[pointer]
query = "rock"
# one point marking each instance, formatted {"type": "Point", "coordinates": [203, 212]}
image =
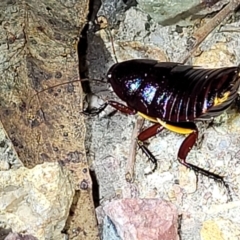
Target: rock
{"type": "Point", "coordinates": [143, 219]}
{"type": "Point", "coordinates": [36, 201]}
{"type": "Point", "coordinates": [187, 179]}
{"type": "Point", "coordinates": [16, 236]}
{"type": "Point", "coordinates": [168, 12]}
{"type": "Point", "coordinates": [109, 230]}
{"type": "Point", "coordinates": [210, 230]}
{"type": "Point", "coordinates": [217, 56]}
{"type": "Point", "coordinates": [220, 229]}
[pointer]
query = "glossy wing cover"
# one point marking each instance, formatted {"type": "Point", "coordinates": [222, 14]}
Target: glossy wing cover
{"type": "Point", "coordinates": [174, 92]}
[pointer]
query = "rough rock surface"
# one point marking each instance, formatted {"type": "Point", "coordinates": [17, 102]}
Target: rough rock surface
{"type": "Point", "coordinates": [16, 236]}
{"type": "Point", "coordinates": [42, 121]}
{"type": "Point", "coordinates": [143, 219]}
{"type": "Point", "coordinates": [31, 199]}
{"type": "Point", "coordinates": [198, 198]}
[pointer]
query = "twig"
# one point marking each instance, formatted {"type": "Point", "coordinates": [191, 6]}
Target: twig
{"type": "Point", "coordinates": [206, 29]}
{"type": "Point", "coordinates": [129, 174]}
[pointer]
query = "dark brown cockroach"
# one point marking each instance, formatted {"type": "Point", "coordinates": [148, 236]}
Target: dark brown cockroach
{"type": "Point", "coordinates": [173, 96]}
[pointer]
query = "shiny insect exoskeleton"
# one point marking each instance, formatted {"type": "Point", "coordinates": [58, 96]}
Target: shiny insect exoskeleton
{"type": "Point", "coordinates": [173, 96]}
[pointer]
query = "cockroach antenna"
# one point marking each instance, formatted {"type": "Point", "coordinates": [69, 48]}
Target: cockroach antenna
{"type": "Point", "coordinates": [103, 23]}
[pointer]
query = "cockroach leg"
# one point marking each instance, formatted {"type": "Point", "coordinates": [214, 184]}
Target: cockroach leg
{"type": "Point", "coordinates": [122, 108]}
{"type": "Point", "coordinates": [94, 111]}
{"type": "Point", "coordinates": [149, 155]}
{"type": "Point", "coordinates": [118, 106]}
{"type": "Point", "coordinates": [185, 148]}
{"type": "Point", "coordinates": [150, 132]}
{"type": "Point", "coordinates": [143, 136]}
{"type": "Point", "coordinates": [237, 103]}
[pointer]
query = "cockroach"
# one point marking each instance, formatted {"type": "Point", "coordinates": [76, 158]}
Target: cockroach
{"type": "Point", "coordinates": [173, 96]}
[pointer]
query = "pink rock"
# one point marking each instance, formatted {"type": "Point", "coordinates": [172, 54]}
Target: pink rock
{"type": "Point", "coordinates": [143, 219]}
